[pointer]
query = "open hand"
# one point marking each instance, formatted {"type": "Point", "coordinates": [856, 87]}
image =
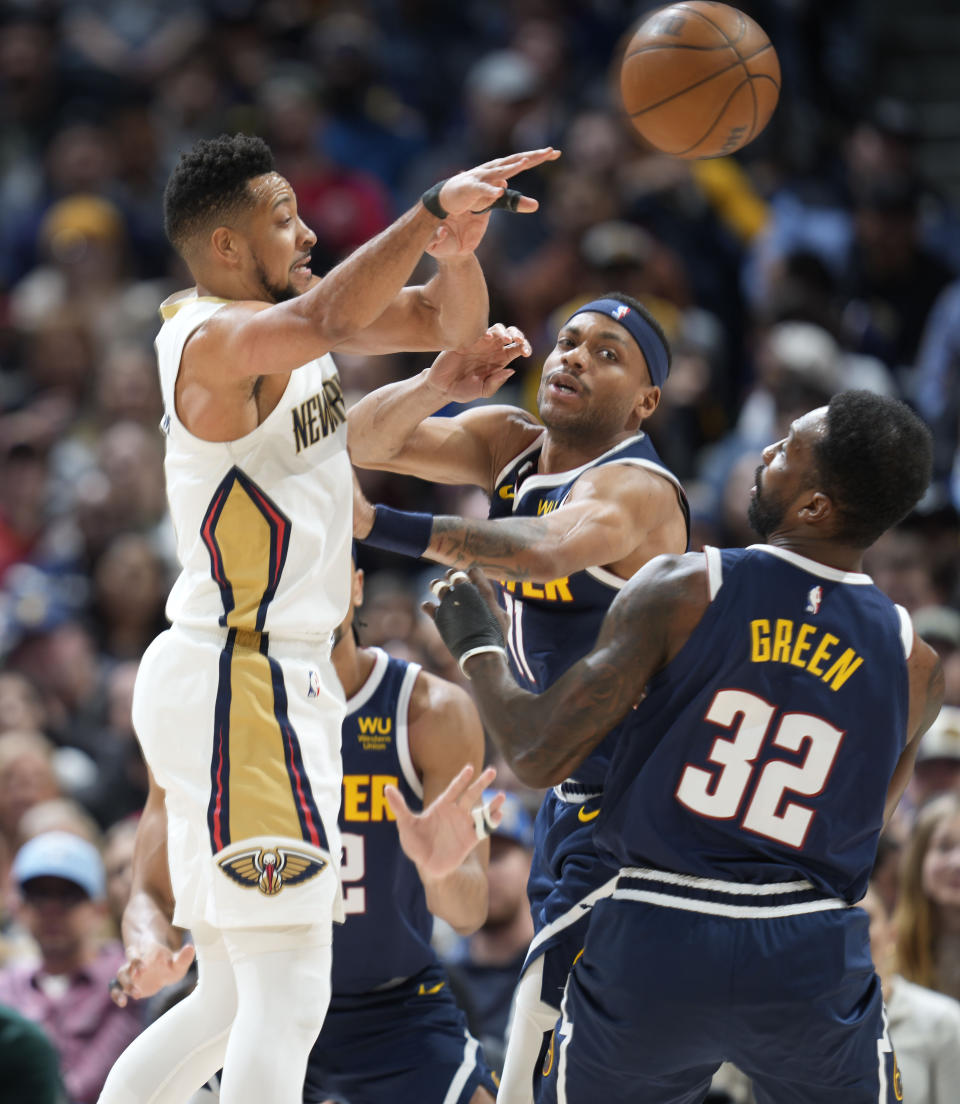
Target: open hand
{"type": "Point", "coordinates": [148, 969]}
{"type": "Point", "coordinates": [443, 835]}
{"type": "Point", "coordinates": [481, 370]}
{"type": "Point", "coordinates": [467, 197]}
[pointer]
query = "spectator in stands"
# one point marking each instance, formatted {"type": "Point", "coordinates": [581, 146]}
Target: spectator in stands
{"type": "Point", "coordinates": [924, 1026]}
{"type": "Point", "coordinates": [29, 1069]}
{"type": "Point", "coordinates": [937, 769]}
{"type": "Point", "coordinates": [61, 883]}
{"type": "Point", "coordinates": [927, 918]}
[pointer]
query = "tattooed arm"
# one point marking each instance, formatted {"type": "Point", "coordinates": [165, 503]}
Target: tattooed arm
{"type": "Point", "coordinates": [544, 737]}
{"type": "Point", "coordinates": [617, 516]}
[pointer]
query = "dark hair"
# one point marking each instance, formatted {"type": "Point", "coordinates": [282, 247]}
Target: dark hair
{"type": "Point", "coordinates": [636, 305]}
{"type": "Point", "coordinates": [875, 462]}
{"type": "Point", "coordinates": [209, 181]}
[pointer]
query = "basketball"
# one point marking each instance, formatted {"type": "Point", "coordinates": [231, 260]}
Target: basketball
{"type": "Point", "coordinates": [699, 79]}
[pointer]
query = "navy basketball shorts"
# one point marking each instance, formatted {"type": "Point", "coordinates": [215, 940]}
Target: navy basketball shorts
{"type": "Point", "coordinates": [408, 1044]}
{"type": "Point", "coordinates": [661, 995]}
{"type": "Point", "coordinates": [566, 879]}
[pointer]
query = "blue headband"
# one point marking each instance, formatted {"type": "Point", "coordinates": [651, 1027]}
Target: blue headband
{"type": "Point", "coordinates": [651, 344]}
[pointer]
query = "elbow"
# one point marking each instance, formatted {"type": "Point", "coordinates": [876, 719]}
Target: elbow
{"type": "Point", "coordinates": [535, 773]}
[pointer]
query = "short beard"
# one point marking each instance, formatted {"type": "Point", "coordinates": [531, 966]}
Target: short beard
{"type": "Point", "coordinates": [764, 517]}
{"type": "Point", "coordinates": [274, 292]}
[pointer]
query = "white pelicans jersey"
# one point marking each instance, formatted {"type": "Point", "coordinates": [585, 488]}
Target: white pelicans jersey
{"type": "Point", "coordinates": [263, 523]}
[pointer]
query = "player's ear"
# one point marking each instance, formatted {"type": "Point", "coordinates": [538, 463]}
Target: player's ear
{"type": "Point", "coordinates": [358, 587]}
{"type": "Point", "coordinates": [816, 508]}
{"type": "Point", "coordinates": [225, 246]}
{"type": "Point", "coordinates": [647, 402]}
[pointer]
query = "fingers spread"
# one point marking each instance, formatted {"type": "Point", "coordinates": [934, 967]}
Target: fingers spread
{"type": "Point", "coordinates": [398, 805]}
{"type": "Point", "coordinates": [459, 784]}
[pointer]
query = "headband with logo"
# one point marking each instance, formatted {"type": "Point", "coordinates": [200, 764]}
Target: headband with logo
{"type": "Point", "coordinates": [650, 342]}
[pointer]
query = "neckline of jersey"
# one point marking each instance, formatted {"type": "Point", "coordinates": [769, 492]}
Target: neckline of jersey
{"type": "Point", "coordinates": [554, 479]}
{"type": "Point", "coordinates": [814, 567]}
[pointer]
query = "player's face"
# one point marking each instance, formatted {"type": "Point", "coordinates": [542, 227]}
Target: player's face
{"type": "Point", "coordinates": [279, 240]}
{"type": "Point", "coordinates": [594, 378]}
{"type": "Point", "coordinates": [785, 472]}
{"type": "Point", "coordinates": [941, 865]}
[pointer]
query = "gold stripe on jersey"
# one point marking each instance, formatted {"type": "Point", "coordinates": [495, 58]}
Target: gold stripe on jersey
{"type": "Point", "coordinates": [243, 536]}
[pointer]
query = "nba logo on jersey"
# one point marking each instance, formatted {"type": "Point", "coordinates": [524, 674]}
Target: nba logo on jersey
{"type": "Point", "coordinates": [814, 598]}
{"type": "Point", "coordinates": [314, 688]}
{"type": "Point", "coordinates": [621, 311]}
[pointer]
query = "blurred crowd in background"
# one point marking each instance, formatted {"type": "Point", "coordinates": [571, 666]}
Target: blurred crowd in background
{"type": "Point", "coordinates": [825, 256]}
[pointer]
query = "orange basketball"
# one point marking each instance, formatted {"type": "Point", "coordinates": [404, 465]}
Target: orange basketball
{"type": "Point", "coordinates": [699, 79]}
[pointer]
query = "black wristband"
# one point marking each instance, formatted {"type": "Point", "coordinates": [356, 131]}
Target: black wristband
{"type": "Point", "coordinates": [431, 200]}
{"type": "Point", "coordinates": [466, 622]}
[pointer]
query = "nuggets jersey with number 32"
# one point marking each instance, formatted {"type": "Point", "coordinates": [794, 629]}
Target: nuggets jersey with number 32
{"type": "Point", "coordinates": [764, 749]}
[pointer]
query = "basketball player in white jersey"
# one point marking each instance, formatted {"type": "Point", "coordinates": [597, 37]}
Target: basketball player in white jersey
{"type": "Point", "coordinates": [237, 706]}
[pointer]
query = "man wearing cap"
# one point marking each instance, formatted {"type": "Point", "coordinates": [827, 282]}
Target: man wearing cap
{"type": "Point", "coordinates": [61, 883]}
{"type": "Point", "coordinates": [937, 767]}
{"type": "Point", "coordinates": [578, 504]}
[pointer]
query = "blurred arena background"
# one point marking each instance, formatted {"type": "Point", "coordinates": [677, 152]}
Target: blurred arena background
{"type": "Point", "coordinates": [825, 256]}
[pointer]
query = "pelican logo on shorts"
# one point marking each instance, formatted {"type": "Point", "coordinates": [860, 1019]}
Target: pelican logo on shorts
{"type": "Point", "coordinates": [270, 869]}
{"type": "Point", "coordinates": [814, 600]}
{"type": "Point", "coordinates": [897, 1080]}
{"type": "Point", "coordinates": [314, 688]}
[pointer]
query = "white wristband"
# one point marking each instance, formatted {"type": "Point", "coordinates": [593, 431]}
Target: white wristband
{"type": "Point", "coordinates": [479, 651]}
{"type": "Point", "coordinates": [483, 825]}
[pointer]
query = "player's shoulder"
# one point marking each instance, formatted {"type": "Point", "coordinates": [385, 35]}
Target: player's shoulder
{"type": "Point", "coordinates": [434, 696]}
{"type": "Point", "coordinates": [508, 428]}
{"type": "Point", "coordinates": [670, 582]}
{"type": "Point", "coordinates": [444, 723]}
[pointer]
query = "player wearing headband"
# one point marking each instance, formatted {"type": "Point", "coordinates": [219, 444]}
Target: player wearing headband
{"type": "Point", "coordinates": [580, 501]}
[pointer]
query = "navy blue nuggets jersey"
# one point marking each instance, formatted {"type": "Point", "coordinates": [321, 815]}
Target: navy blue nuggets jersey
{"type": "Point", "coordinates": [387, 930]}
{"type": "Point", "coordinates": [763, 751]}
{"type": "Point", "coordinates": [554, 624]}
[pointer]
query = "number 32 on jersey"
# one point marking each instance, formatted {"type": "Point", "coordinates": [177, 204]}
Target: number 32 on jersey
{"type": "Point", "coordinates": [720, 796]}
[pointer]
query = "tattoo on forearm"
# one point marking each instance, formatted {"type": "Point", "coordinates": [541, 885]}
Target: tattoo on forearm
{"type": "Point", "coordinates": [491, 548]}
{"type": "Point", "coordinates": [554, 741]}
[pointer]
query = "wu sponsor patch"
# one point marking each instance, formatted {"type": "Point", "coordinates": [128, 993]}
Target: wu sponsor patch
{"type": "Point", "coordinates": [270, 869]}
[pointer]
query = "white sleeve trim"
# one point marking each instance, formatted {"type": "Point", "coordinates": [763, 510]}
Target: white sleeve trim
{"type": "Point", "coordinates": [403, 731]}
{"type": "Point", "coordinates": [906, 631]}
{"type": "Point", "coordinates": [714, 569]}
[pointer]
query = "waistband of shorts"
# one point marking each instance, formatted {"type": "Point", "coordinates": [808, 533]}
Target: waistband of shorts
{"type": "Point", "coordinates": [576, 793]}
{"type": "Point", "coordinates": [736, 900]}
{"type": "Point", "coordinates": [316, 647]}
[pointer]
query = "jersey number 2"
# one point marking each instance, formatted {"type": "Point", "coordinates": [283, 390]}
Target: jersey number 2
{"type": "Point", "coordinates": [720, 796]}
{"type": "Point", "coordinates": [352, 869]}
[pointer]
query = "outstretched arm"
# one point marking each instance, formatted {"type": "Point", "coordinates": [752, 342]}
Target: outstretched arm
{"type": "Point", "coordinates": [544, 737]}
{"type": "Point", "coordinates": [391, 428]}
{"type": "Point", "coordinates": [446, 744]}
{"type": "Point", "coordinates": [155, 954]}
{"type": "Point", "coordinates": [250, 339]}
{"type": "Point", "coordinates": [616, 514]}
